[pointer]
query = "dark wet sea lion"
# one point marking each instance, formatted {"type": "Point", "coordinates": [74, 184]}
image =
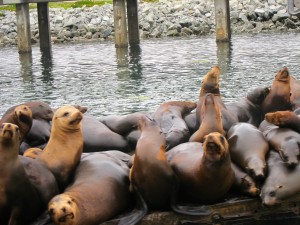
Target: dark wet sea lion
{"type": "Point", "coordinates": [63, 150]}
{"type": "Point", "coordinates": [98, 137]}
{"type": "Point", "coordinates": [205, 173]}
{"type": "Point", "coordinates": [283, 140]}
{"type": "Point", "coordinates": [243, 183]}
{"type": "Point", "coordinates": [99, 191]}
{"type": "Point", "coordinates": [281, 182]}
{"type": "Point", "coordinates": [211, 119]}
{"type": "Point", "coordinates": [248, 149]}
{"type": "Point", "coordinates": [169, 117]}
{"type": "Point", "coordinates": [20, 202]}
{"type": "Point", "coordinates": [249, 109]}
{"type": "Point", "coordinates": [279, 95]}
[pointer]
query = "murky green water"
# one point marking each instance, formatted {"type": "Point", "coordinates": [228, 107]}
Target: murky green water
{"type": "Point", "coordinates": [141, 78]}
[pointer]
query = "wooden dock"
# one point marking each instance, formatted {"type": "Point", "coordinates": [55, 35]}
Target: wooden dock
{"type": "Point", "coordinates": [126, 23]}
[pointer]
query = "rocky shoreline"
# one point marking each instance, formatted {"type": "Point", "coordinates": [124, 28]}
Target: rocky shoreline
{"type": "Point", "coordinates": [165, 18]}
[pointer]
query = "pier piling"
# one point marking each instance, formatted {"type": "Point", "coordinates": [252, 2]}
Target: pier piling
{"type": "Point", "coordinates": [222, 17]}
{"type": "Point", "coordinates": [23, 27]}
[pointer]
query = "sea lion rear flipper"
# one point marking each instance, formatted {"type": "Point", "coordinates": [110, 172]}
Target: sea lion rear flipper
{"type": "Point", "coordinates": [137, 214]}
{"type": "Point", "coordinates": [201, 210]}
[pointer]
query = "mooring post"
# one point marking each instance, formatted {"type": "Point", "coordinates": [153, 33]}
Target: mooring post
{"type": "Point", "coordinates": [23, 27]}
{"type": "Point", "coordinates": [44, 27]}
{"type": "Point", "coordinates": [222, 16]}
{"type": "Point", "coordinates": [119, 9]}
{"type": "Point", "coordinates": [133, 22]}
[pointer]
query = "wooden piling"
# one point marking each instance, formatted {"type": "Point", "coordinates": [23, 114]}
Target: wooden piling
{"type": "Point", "coordinates": [23, 27]}
{"type": "Point", "coordinates": [44, 27]}
{"type": "Point", "coordinates": [119, 9]}
{"type": "Point", "coordinates": [133, 22]}
{"type": "Point", "coordinates": [222, 18]}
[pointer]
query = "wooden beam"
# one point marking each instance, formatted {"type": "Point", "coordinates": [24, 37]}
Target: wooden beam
{"type": "Point", "coordinates": [133, 22]}
{"type": "Point", "coordinates": [44, 26]}
{"type": "Point", "coordinates": [119, 9]}
{"type": "Point", "coordinates": [23, 27]}
{"type": "Point", "coordinates": [222, 17]}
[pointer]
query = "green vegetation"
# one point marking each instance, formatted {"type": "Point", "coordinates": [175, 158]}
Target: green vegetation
{"type": "Point", "coordinates": [65, 5]}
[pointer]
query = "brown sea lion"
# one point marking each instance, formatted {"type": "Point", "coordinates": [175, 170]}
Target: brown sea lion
{"type": "Point", "coordinates": [210, 84]}
{"type": "Point", "coordinates": [22, 117]}
{"type": "Point", "coordinates": [98, 137]}
{"type": "Point", "coordinates": [169, 117]}
{"type": "Point", "coordinates": [211, 118]}
{"type": "Point", "coordinates": [248, 149]}
{"type": "Point", "coordinates": [205, 173]}
{"type": "Point", "coordinates": [150, 173]}
{"type": "Point", "coordinates": [281, 182]}
{"type": "Point", "coordinates": [295, 92]}
{"type": "Point", "coordinates": [243, 183]}
{"type": "Point", "coordinates": [279, 96]}
{"type": "Point", "coordinates": [99, 191]}
{"type": "Point", "coordinates": [63, 150]}
{"type": "Point", "coordinates": [39, 109]}
{"type": "Point", "coordinates": [20, 202]}
{"type": "Point", "coordinates": [249, 109]}
{"type": "Point", "coordinates": [287, 119]}
{"type": "Point", "coordinates": [283, 140]}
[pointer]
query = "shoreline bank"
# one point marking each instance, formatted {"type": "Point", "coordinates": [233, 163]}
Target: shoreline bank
{"type": "Point", "coordinates": [161, 19]}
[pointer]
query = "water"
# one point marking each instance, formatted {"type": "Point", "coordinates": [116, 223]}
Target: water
{"type": "Point", "coordinates": [142, 77]}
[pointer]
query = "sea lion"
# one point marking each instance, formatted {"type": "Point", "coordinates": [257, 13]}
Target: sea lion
{"type": "Point", "coordinates": [99, 191]}
{"type": "Point", "coordinates": [281, 182]}
{"type": "Point", "coordinates": [279, 96]}
{"type": "Point", "coordinates": [211, 118]}
{"type": "Point", "coordinates": [248, 149]}
{"type": "Point", "coordinates": [288, 119]}
{"type": "Point", "coordinates": [243, 183]}
{"type": "Point", "coordinates": [98, 137]}
{"type": "Point", "coordinates": [169, 117]}
{"type": "Point", "coordinates": [63, 150]}
{"type": "Point", "coordinates": [204, 170]}
{"type": "Point", "coordinates": [210, 84]}
{"type": "Point", "coordinates": [283, 140]}
{"type": "Point", "coordinates": [32, 152]}
{"type": "Point", "coordinates": [295, 92]}
{"type": "Point", "coordinates": [123, 124]}
{"type": "Point", "coordinates": [150, 174]}
{"type": "Point", "coordinates": [22, 117]}
{"type": "Point", "coordinates": [249, 109]}
{"type": "Point", "coordinates": [39, 109]}
{"type": "Point", "coordinates": [17, 206]}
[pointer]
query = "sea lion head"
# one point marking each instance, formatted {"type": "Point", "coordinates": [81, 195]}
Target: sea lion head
{"type": "Point", "coordinates": [10, 135]}
{"type": "Point", "coordinates": [215, 146]}
{"type": "Point", "coordinates": [24, 114]}
{"type": "Point", "coordinates": [67, 118]}
{"type": "Point", "coordinates": [289, 152]}
{"type": "Point", "coordinates": [269, 195]}
{"type": "Point", "coordinates": [283, 75]}
{"type": "Point", "coordinates": [210, 83]}
{"type": "Point", "coordinates": [63, 210]}
{"type": "Point", "coordinates": [256, 168]}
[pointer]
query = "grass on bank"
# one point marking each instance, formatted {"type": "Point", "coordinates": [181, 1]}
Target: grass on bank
{"type": "Point", "coordinates": [67, 5]}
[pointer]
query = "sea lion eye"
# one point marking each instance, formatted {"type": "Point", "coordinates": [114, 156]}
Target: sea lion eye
{"type": "Point", "coordinates": [17, 129]}
{"type": "Point", "coordinates": [272, 194]}
{"type": "Point", "coordinates": [66, 114]}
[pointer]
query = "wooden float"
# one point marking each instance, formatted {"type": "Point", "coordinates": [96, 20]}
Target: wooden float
{"type": "Point", "coordinates": [235, 210]}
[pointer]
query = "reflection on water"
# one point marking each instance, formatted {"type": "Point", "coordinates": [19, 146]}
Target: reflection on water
{"type": "Point", "coordinates": [139, 78]}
